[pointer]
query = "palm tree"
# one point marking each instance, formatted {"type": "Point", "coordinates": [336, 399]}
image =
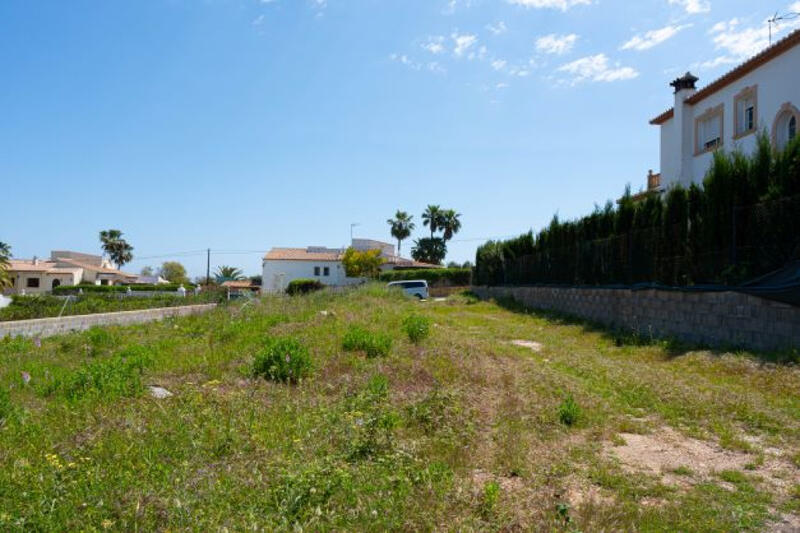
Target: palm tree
{"type": "Point", "coordinates": [450, 223]}
{"type": "Point", "coordinates": [401, 227]}
{"type": "Point", "coordinates": [117, 248]}
{"type": "Point", "coordinates": [432, 217]}
{"type": "Point", "coordinates": [228, 273]}
{"type": "Point", "coordinates": [5, 256]}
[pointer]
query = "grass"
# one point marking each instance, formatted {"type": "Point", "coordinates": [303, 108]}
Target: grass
{"type": "Point", "coordinates": [43, 306]}
{"type": "Point", "coordinates": [463, 431]}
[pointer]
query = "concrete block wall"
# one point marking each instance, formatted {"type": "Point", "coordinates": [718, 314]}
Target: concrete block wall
{"type": "Point", "coordinates": [724, 319]}
{"type": "Point", "coordinates": [45, 327]}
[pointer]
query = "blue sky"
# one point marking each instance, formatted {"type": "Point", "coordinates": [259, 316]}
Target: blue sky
{"type": "Point", "coordinates": [241, 125]}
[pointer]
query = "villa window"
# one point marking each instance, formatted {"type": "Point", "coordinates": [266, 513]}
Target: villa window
{"type": "Point", "coordinates": [326, 271]}
{"type": "Point", "coordinates": [708, 130]}
{"type": "Point", "coordinates": [785, 127]}
{"type": "Point", "coordinates": [316, 271]}
{"type": "Point", "coordinates": [745, 104]}
{"type": "Point", "coordinates": [32, 283]}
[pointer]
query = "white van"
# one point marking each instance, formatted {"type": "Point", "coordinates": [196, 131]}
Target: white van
{"type": "Point", "coordinates": [412, 287]}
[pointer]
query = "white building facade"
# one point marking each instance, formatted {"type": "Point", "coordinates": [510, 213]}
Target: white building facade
{"type": "Point", "coordinates": [282, 265]}
{"type": "Point", "coordinates": [760, 95]}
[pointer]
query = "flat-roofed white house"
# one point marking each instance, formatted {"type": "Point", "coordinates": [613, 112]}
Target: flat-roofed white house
{"type": "Point", "coordinates": [37, 276]}
{"type": "Point", "coordinates": [761, 94]}
{"type": "Point", "coordinates": [282, 265]}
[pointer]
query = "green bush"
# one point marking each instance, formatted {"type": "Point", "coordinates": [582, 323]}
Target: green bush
{"type": "Point", "coordinates": [569, 411]}
{"type": "Point", "coordinates": [417, 328]}
{"type": "Point", "coordinates": [284, 360]}
{"type": "Point", "coordinates": [372, 344]}
{"type": "Point", "coordinates": [64, 290]}
{"type": "Point", "coordinates": [303, 286]}
{"type": "Point", "coordinates": [434, 276]}
{"type": "Point", "coordinates": [116, 377]}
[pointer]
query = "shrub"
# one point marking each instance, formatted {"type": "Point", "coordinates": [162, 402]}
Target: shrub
{"type": "Point", "coordinates": [303, 286]}
{"type": "Point", "coordinates": [89, 288]}
{"type": "Point", "coordinates": [372, 344]}
{"type": "Point", "coordinates": [434, 276]}
{"type": "Point", "coordinates": [569, 411]}
{"type": "Point", "coordinates": [284, 360]}
{"type": "Point", "coordinates": [116, 377]}
{"type": "Point", "coordinates": [417, 328]}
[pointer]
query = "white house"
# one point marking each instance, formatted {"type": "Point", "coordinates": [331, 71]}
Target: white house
{"type": "Point", "coordinates": [36, 276]}
{"type": "Point", "coordinates": [761, 94]}
{"type": "Point", "coordinates": [282, 265]}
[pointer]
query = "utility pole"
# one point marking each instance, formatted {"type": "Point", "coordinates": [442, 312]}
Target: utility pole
{"type": "Point", "coordinates": [353, 225]}
{"type": "Point", "coordinates": [208, 268]}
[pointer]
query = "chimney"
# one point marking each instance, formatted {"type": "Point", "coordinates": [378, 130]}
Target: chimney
{"type": "Point", "coordinates": [35, 260]}
{"type": "Point", "coordinates": [684, 122]}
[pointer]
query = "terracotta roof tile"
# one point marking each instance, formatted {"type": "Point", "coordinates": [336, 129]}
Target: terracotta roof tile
{"type": "Point", "coordinates": [301, 254]}
{"type": "Point", "coordinates": [766, 55]}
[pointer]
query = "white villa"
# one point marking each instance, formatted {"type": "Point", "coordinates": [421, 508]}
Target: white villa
{"type": "Point", "coordinates": [282, 265]}
{"type": "Point", "coordinates": [761, 94]}
{"type": "Point", "coordinates": [37, 276]}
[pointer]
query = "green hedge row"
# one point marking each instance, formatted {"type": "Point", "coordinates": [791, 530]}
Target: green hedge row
{"type": "Point", "coordinates": [90, 288]}
{"type": "Point", "coordinates": [303, 286]}
{"type": "Point", "coordinates": [742, 223]}
{"type": "Point", "coordinates": [454, 276]}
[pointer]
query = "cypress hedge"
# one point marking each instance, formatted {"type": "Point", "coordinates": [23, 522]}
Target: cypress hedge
{"type": "Point", "coordinates": [739, 225]}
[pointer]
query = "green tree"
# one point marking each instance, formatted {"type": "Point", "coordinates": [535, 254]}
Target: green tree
{"type": "Point", "coordinates": [173, 271]}
{"type": "Point", "coordinates": [450, 223]}
{"type": "Point", "coordinates": [228, 273]}
{"type": "Point", "coordinates": [5, 263]}
{"type": "Point", "coordinates": [117, 248]}
{"type": "Point", "coordinates": [433, 218]}
{"type": "Point", "coordinates": [366, 264]}
{"type": "Point", "coordinates": [146, 271]}
{"type": "Point", "coordinates": [431, 250]}
{"type": "Point", "coordinates": [401, 227]}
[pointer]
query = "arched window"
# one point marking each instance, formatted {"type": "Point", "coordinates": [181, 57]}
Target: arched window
{"type": "Point", "coordinates": [785, 127]}
{"type": "Point", "coordinates": [56, 283]}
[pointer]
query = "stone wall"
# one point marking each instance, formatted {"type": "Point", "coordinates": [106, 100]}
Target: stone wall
{"type": "Point", "coordinates": [722, 319]}
{"type": "Point", "coordinates": [45, 327]}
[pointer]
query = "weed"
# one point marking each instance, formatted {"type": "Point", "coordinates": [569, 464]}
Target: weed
{"type": "Point", "coordinates": [569, 411]}
{"type": "Point", "coordinates": [371, 421]}
{"type": "Point", "coordinates": [491, 495]}
{"type": "Point", "coordinates": [417, 328]}
{"type": "Point", "coordinates": [116, 377]}
{"type": "Point", "coordinates": [6, 407]}
{"type": "Point", "coordinates": [372, 344]}
{"type": "Point", "coordinates": [284, 359]}
{"type": "Point", "coordinates": [682, 471]}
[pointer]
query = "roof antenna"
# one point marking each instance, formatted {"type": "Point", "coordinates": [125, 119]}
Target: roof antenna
{"type": "Point", "coordinates": [777, 18]}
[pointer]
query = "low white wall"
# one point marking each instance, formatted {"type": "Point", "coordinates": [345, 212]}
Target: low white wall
{"type": "Point", "coordinates": [45, 327]}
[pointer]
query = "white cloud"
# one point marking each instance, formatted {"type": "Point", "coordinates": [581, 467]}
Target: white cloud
{"type": "Point", "coordinates": [693, 7]}
{"type": "Point", "coordinates": [596, 68]}
{"type": "Point", "coordinates": [405, 60]}
{"type": "Point", "coordinates": [501, 85]}
{"type": "Point", "coordinates": [435, 44]}
{"type": "Point", "coordinates": [499, 64]}
{"type": "Point", "coordinates": [739, 42]}
{"type": "Point", "coordinates": [563, 5]}
{"type": "Point", "coordinates": [556, 44]}
{"type": "Point", "coordinates": [463, 42]}
{"type": "Point", "coordinates": [652, 38]}
{"type": "Point", "coordinates": [258, 20]}
{"type": "Point", "coordinates": [498, 28]}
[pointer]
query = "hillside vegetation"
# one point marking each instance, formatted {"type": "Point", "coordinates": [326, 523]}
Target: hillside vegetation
{"type": "Point", "coordinates": [368, 411]}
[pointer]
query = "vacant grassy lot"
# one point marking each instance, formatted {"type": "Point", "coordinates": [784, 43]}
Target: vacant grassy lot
{"type": "Point", "coordinates": [493, 419]}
